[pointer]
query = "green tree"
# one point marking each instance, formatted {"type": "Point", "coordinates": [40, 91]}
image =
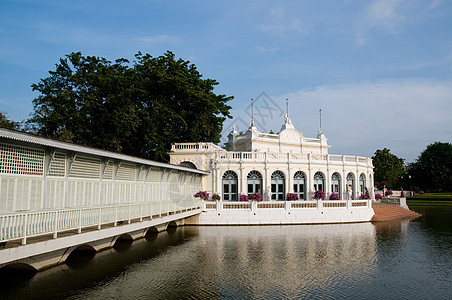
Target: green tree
{"type": "Point", "coordinates": [137, 109]}
{"type": "Point", "coordinates": [5, 122]}
{"type": "Point", "coordinates": [388, 167]}
{"type": "Point", "coordinates": [432, 170]}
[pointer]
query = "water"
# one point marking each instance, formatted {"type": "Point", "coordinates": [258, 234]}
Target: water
{"type": "Point", "coordinates": [397, 260]}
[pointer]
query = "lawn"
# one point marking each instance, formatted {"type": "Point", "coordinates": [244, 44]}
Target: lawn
{"type": "Point", "coordinates": [431, 199]}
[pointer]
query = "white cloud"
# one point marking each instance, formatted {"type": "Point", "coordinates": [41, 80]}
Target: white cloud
{"type": "Point", "coordinates": [384, 13]}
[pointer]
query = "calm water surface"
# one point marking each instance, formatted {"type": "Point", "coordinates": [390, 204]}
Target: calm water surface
{"type": "Point", "coordinates": [397, 260]}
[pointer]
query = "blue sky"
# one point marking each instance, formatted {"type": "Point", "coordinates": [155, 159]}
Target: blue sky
{"type": "Point", "coordinates": [381, 71]}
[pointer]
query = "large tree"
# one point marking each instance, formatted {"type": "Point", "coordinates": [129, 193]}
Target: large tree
{"type": "Point", "coordinates": [137, 109]}
{"type": "Point", "coordinates": [388, 167]}
{"type": "Point", "coordinates": [5, 122]}
{"type": "Point", "coordinates": [433, 168]}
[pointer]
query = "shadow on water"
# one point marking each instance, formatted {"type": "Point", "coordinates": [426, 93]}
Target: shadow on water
{"type": "Point", "coordinates": [80, 256]}
{"type": "Point", "coordinates": [15, 275]}
{"type": "Point", "coordinates": [86, 269]}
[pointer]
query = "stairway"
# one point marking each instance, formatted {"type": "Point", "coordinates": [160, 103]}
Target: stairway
{"type": "Point", "coordinates": [389, 212]}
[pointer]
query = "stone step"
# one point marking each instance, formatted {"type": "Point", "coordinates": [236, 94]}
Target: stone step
{"type": "Point", "coordinates": [392, 212]}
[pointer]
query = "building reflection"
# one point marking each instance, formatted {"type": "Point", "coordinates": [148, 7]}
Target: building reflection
{"type": "Point", "coordinates": [287, 258]}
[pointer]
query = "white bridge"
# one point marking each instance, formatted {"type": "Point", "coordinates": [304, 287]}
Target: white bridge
{"type": "Point", "coordinates": [56, 197]}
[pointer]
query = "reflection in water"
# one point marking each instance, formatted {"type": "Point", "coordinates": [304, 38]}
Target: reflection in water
{"type": "Point", "coordinates": [378, 261]}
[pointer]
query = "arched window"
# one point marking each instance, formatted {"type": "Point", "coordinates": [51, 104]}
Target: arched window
{"type": "Point", "coordinates": [362, 183]}
{"type": "Point", "coordinates": [299, 185]}
{"type": "Point", "coordinates": [230, 186]}
{"type": "Point", "coordinates": [254, 181]}
{"type": "Point", "coordinates": [336, 184]}
{"type": "Point", "coordinates": [188, 164]}
{"type": "Point", "coordinates": [278, 185]}
{"type": "Point", "coordinates": [319, 181]}
{"type": "Point", "coordinates": [350, 185]}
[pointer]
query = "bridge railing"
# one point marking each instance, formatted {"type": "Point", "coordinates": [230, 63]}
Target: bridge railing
{"type": "Point", "coordinates": [22, 225]}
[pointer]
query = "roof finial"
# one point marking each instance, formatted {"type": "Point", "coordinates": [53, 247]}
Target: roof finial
{"type": "Point", "coordinates": [252, 113]}
{"type": "Point", "coordinates": [287, 106]}
{"type": "Point", "coordinates": [319, 134]}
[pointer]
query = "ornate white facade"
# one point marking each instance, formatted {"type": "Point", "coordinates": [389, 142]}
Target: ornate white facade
{"type": "Point", "coordinates": [275, 164]}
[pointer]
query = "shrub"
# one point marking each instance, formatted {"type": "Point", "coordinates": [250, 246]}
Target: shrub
{"type": "Point", "coordinates": [203, 195]}
{"type": "Point", "coordinates": [243, 198]}
{"type": "Point", "coordinates": [319, 195]}
{"type": "Point", "coordinates": [291, 197]}
{"type": "Point", "coordinates": [334, 196]}
{"type": "Point", "coordinates": [365, 195]}
{"type": "Point", "coordinates": [255, 196]}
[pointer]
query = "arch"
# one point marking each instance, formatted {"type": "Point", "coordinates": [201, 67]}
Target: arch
{"type": "Point", "coordinates": [188, 164]}
{"type": "Point", "coordinates": [230, 183]}
{"type": "Point", "coordinates": [350, 186]}
{"type": "Point", "coordinates": [153, 229]}
{"type": "Point", "coordinates": [123, 242]}
{"type": "Point", "coordinates": [336, 183]}
{"type": "Point", "coordinates": [172, 224]}
{"type": "Point", "coordinates": [80, 255]}
{"type": "Point", "coordinates": [362, 183]}
{"type": "Point", "coordinates": [299, 184]}
{"type": "Point", "coordinates": [254, 182]}
{"type": "Point", "coordinates": [278, 185]}
{"type": "Point", "coordinates": [124, 237]}
{"type": "Point", "coordinates": [17, 272]}
{"type": "Point", "coordinates": [319, 181]}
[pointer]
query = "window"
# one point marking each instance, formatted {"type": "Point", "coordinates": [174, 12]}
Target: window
{"type": "Point", "coordinates": [319, 181]}
{"type": "Point", "coordinates": [278, 185]}
{"type": "Point", "coordinates": [299, 185]}
{"type": "Point", "coordinates": [230, 186]}
{"type": "Point", "coordinates": [350, 186]}
{"type": "Point", "coordinates": [362, 183]}
{"type": "Point", "coordinates": [336, 184]}
{"type": "Point", "coordinates": [254, 182]}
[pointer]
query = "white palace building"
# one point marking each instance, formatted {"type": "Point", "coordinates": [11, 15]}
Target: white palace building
{"type": "Point", "coordinates": [274, 165]}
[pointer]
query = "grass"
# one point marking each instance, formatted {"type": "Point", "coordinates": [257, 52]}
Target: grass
{"type": "Point", "coordinates": [431, 199]}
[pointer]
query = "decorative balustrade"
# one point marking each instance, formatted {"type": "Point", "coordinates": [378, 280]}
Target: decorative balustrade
{"type": "Point", "coordinates": [22, 225]}
{"type": "Point", "coordinates": [195, 147]}
{"type": "Point", "coordinates": [232, 156]}
{"type": "Point", "coordinates": [301, 204]}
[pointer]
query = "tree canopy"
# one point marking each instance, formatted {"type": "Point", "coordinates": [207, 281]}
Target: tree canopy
{"type": "Point", "coordinates": [137, 109]}
{"type": "Point", "coordinates": [5, 122]}
{"type": "Point", "coordinates": [388, 167]}
{"type": "Point", "coordinates": [432, 170]}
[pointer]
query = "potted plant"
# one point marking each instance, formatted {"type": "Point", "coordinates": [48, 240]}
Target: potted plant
{"type": "Point", "coordinates": [291, 197]}
{"type": "Point", "coordinates": [378, 197]}
{"type": "Point", "coordinates": [365, 195]}
{"type": "Point", "coordinates": [255, 197]}
{"type": "Point", "coordinates": [203, 195]}
{"type": "Point", "coordinates": [319, 195]}
{"type": "Point", "coordinates": [216, 197]}
{"type": "Point", "coordinates": [334, 196]}
{"type": "Point", "coordinates": [243, 198]}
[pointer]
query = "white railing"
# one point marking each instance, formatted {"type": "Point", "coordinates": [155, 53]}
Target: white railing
{"type": "Point", "coordinates": [195, 147]}
{"type": "Point", "coordinates": [300, 204]}
{"type": "Point", "coordinates": [238, 156]}
{"type": "Point", "coordinates": [23, 225]}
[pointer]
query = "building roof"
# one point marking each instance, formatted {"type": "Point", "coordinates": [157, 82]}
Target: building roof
{"type": "Point", "coordinates": [36, 139]}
